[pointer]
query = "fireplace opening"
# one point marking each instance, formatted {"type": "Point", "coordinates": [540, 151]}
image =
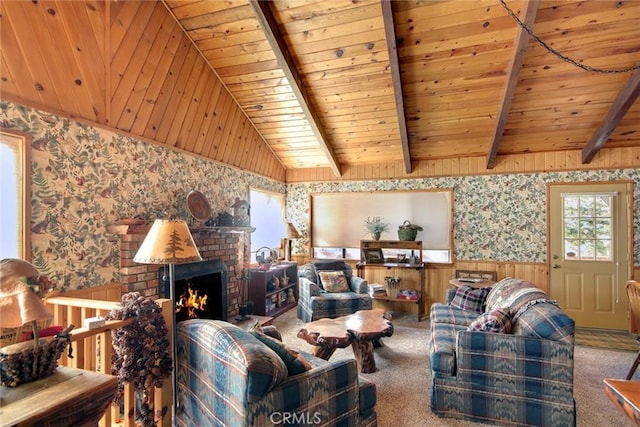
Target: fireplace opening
{"type": "Point", "coordinates": [200, 290]}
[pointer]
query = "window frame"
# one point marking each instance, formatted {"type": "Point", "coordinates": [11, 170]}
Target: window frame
{"type": "Point", "coordinates": [21, 143]}
{"type": "Point", "coordinates": [277, 244]}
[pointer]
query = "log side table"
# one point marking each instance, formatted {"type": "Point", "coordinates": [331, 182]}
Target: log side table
{"type": "Point", "coordinates": [326, 335]}
{"type": "Point", "coordinates": [359, 329]}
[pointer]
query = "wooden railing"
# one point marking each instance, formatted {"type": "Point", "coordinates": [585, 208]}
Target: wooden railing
{"type": "Point", "coordinates": [92, 350]}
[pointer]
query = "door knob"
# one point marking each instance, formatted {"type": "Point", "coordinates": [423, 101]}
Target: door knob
{"type": "Point", "coordinates": [555, 266]}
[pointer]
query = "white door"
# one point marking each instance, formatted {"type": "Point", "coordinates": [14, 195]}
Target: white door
{"type": "Point", "coordinates": [589, 252]}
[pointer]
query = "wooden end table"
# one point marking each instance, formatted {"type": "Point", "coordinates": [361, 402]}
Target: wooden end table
{"type": "Point", "coordinates": [626, 396]}
{"type": "Point", "coordinates": [69, 396]}
{"type": "Point", "coordinates": [359, 329]}
{"type": "Point", "coordinates": [483, 284]}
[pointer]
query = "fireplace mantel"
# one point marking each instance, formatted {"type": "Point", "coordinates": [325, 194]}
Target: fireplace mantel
{"type": "Point", "coordinates": [143, 228]}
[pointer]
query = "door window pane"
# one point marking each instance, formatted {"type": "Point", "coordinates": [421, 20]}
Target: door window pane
{"type": "Point", "coordinates": [587, 225]}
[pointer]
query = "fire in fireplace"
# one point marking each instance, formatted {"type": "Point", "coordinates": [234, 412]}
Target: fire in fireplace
{"type": "Point", "coordinates": [201, 290]}
{"type": "Point", "coordinates": [191, 305]}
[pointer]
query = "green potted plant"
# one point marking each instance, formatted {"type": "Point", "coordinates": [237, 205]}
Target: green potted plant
{"type": "Point", "coordinates": [376, 226]}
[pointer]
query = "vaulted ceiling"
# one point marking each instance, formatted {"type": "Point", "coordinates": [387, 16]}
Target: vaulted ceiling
{"type": "Point", "coordinates": [285, 84]}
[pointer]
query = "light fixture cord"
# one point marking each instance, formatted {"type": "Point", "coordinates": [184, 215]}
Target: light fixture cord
{"type": "Point", "coordinates": [564, 57]}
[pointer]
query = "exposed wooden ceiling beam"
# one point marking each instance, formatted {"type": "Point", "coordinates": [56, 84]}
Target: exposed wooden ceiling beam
{"type": "Point", "coordinates": [625, 99]}
{"type": "Point", "coordinates": [394, 63]}
{"type": "Point", "coordinates": [527, 16]}
{"type": "Point", "coordinates": [272, 32]}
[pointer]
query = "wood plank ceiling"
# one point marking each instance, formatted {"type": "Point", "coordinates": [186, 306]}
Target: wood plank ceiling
{"type": "Point", "coordinates": [468, 88]}
{"type": "Point", "coordinates": [287, 84]}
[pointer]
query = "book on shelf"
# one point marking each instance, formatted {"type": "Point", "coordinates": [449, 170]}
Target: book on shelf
{"type": "Point", "coordinates": [377, 290]}
{"type": "Point", "coordinates": [410, 294]}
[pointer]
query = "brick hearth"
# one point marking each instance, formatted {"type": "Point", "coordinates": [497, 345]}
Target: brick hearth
{"type": "Point", "coordinates": [229, 244]}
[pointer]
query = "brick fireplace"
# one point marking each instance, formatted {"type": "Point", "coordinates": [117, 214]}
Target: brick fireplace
{"type": "Point", "coordinates": [229, 245]}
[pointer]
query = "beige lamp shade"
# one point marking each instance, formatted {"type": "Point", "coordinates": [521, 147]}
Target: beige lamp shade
{"type": "Point", "coordinates": [168, 242]}
{"type": "Point", "coordinates": [292, 233]}
{"type": "Point", "coordinates": [19, 304]}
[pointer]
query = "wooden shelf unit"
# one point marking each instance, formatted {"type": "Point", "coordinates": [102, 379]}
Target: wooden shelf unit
{"type": "Point", "coordinates": [415, 248]}
{"type": "Point", "coordinates": [259, 281]}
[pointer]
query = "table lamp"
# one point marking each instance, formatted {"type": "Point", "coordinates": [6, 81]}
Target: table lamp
{"type": "Point", "coordinates": [169, 242]}
{"type": "Point", "coordinates": [292, 234]}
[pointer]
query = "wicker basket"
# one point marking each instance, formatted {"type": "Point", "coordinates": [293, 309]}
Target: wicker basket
{"type": "Point", "coordinates": [407, 231]}
{"type": "Point", "coordinates": [31, 360]}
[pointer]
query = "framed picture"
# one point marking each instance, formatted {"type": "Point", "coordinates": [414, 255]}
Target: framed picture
{"type": "Point", "coordinates": [373, 255]}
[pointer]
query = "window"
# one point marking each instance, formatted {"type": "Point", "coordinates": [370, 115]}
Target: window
{"type": "Point", "coordinates": [15, 218]}
{"type": "Point", "coordinates": [267, 217]}
{"type": "Point", "coordinates": [337, 221]}
{"type": "Point", "coordinates": [587, 226]}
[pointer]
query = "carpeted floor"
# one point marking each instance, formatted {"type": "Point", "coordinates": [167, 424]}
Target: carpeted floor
{"type": "Point", "coordinates": [403, 376]}
{"type": "Point", "coordinates": [603, 338]}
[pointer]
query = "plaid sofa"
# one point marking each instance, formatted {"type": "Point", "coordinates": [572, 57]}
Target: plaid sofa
{"type": "Point", "coordinates": [227, 377]}
{"type": "Point", "coordinates": [315, 303]}
{"type": "Point", "coordinates": [523, 378]}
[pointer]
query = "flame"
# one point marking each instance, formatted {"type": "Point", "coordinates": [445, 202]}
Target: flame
{"type": "Point", "coordinates": [191, 302]}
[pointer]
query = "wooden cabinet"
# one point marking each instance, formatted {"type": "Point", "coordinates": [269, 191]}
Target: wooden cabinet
{"type": "Point", "coordinates": [275, 290]}
{"type": "Point", "coordinates": [381, 258]}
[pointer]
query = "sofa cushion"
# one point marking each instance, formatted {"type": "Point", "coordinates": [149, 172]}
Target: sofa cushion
{"type": "Point", "coordinates": [512, 293]}
{"type": "Point", "coordinates": [333, 281]}
{"type": "Point", "coordinates": [295, 363]}
{"type": "Point", "coordinates": [469, 298]}
{"type": "Point", "coordinates": [332, 265]}
{"type": "Point", "coordinates": [444, 313]}
{"type": "Point", "coordinates": [545, 320]}
{"type": "Point", "coordinates": [497, 320]}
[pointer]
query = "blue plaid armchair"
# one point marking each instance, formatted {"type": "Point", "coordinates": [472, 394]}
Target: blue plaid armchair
{"type": "Point", "coordinates": [316, 303]}
{"type": "Point", "coordinates": [228, 377]}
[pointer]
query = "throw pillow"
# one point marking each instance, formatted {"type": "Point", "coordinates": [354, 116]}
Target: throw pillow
{"type": "Point", "coordinates": [333, 281]}
{"type": "Point", "coordinates": [497, 320]}
{"type": "Point", "coordinates": [295, 363]}
{"type": "Point", "coordinates": [468, 298]}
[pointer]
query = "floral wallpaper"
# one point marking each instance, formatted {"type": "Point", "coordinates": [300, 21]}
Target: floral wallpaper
{"type": "Point", "coordinates": [496, 217]}
{"type": "Point", "coordinates": [85, 178]}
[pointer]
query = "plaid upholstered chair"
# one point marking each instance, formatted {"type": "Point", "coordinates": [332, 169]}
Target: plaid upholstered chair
{"type": "Point", "coordinates": [231, 377]}
{"type": "Point", "coordinates": [329, 289]}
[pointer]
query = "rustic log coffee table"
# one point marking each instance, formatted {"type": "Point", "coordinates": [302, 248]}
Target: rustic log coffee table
{"type": "Point", "coordinates": [359, 329]}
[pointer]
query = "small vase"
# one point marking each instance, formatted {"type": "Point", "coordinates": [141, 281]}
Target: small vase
{"type": "Point", "coordinates": [375, 236]}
